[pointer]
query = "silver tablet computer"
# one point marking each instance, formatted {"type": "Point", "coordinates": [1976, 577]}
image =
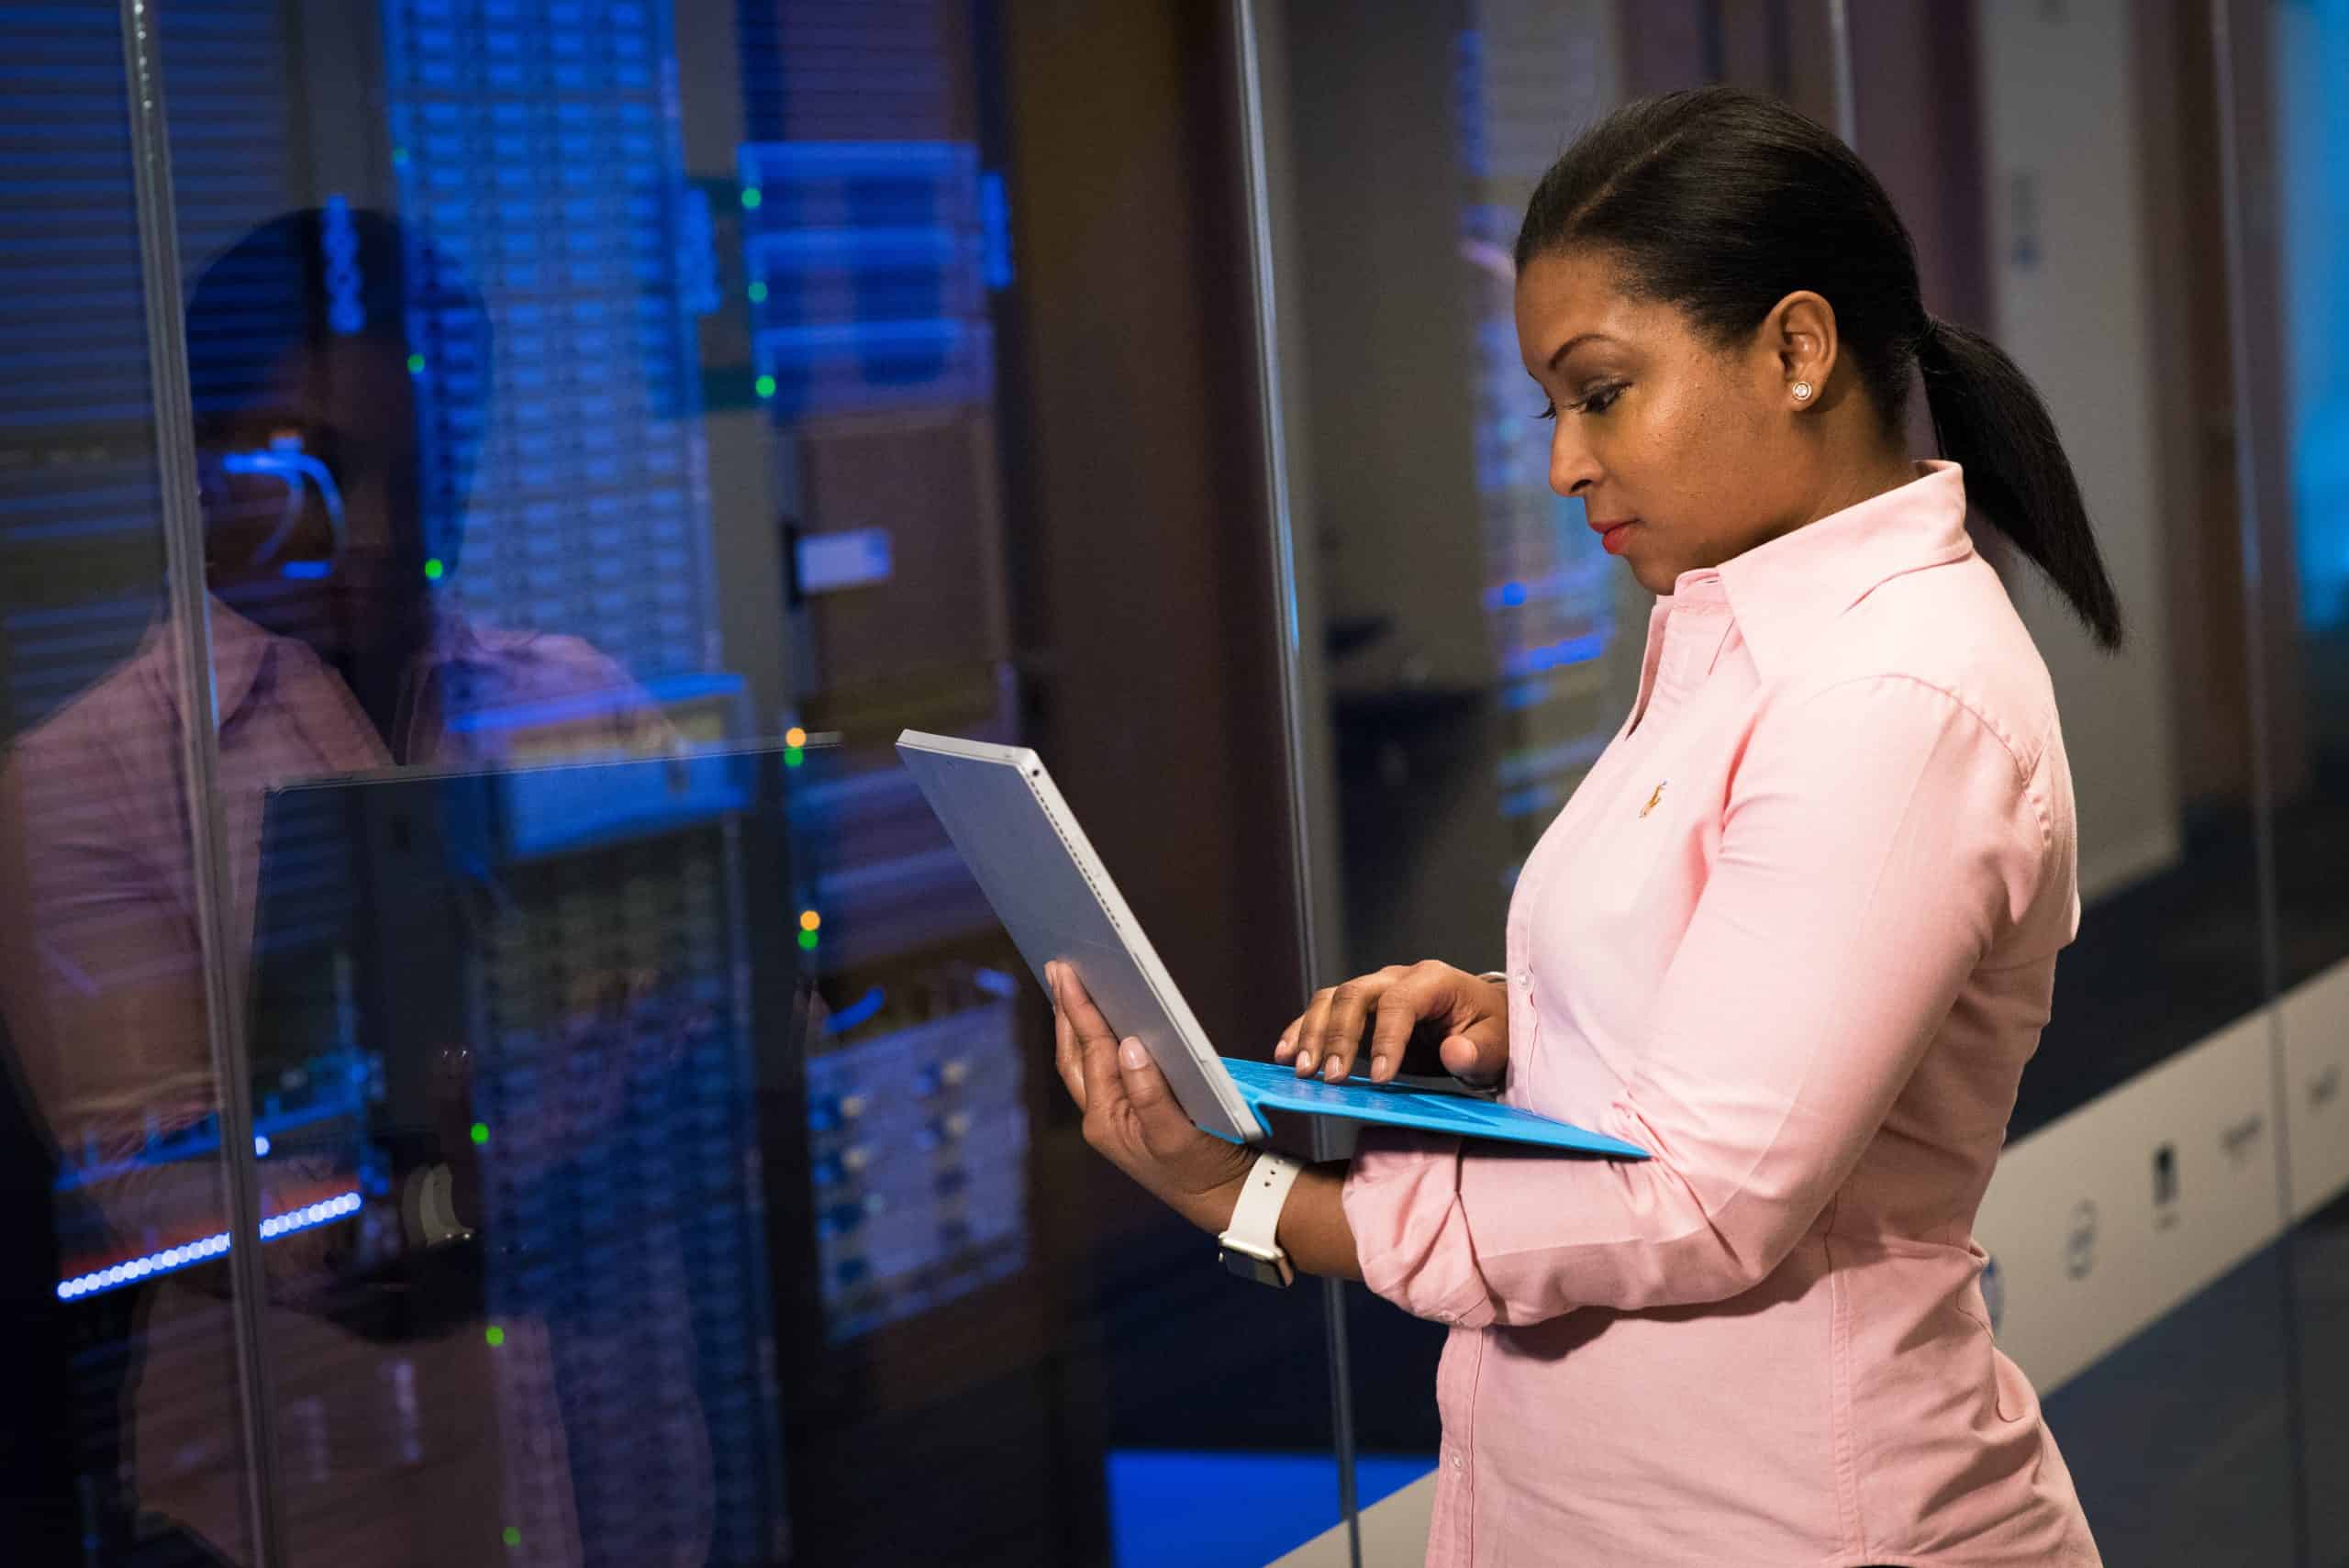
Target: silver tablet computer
{"type": "Point", "coordinates": [1049, 889]}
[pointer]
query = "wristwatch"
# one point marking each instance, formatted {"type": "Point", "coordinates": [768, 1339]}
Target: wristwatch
{"type": "Point", "coordinates": [1250, 1246]}
{"type": "Point", "coordinates": [428, 1208]}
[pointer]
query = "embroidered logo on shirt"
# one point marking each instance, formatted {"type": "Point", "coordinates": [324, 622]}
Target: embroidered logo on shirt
{"type": "Point", "coordinates": [1653, 799]}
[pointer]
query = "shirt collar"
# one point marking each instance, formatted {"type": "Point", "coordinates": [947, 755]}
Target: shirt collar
{"type": "Point", "coordinates": [458, 638]}
{"type": "Point", "coordinates": [238, 649]}
{"type": "Point", "coordinates": [1784, 594]}
{"type": "Point", "coordinates": [238, 646]}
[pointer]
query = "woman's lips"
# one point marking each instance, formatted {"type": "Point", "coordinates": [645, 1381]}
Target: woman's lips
{"type": "Point", "coordinates": [1615, 533]}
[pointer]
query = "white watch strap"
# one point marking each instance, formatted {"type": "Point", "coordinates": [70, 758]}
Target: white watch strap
{"type": "Point", "coordinates": [1253, 1232]}
{"type": "Point", "coordinates": [428, 1209]}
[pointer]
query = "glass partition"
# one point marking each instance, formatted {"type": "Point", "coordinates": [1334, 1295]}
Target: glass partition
{"type": "Point", "coordinates": [2155, 1079]}
{"type": "Point", "coordinates": [608, 425]}
{"type": "Point", "coordinates": [2294, 140]}
{"type": "Point", "coordinates": [127, 1437]}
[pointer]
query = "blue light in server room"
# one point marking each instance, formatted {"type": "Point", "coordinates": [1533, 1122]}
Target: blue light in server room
{"type": "Point", "coordinates": [345, 288]}
{"type": "Point", "coordinates": [171, 1259]}
{"type": "Point", "coordinates": [2311, 58]}
{"type": "Point", "coordinates": [540, 152]}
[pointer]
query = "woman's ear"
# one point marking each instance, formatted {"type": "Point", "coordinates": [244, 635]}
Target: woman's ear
{"type": "Point", "coordinates": [1800, 334]}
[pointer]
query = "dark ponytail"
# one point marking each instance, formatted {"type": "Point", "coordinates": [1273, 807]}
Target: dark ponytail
{"type": "Point", "coordinates": [1988, 419]}
{"type": "Point", "coordinates": [1721, 203]}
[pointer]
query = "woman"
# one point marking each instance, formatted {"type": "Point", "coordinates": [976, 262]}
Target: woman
{"type": "Point", "coordinates": [1795, 934]}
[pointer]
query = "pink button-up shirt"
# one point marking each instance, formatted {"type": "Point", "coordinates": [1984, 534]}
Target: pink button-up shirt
{"type": "Point", "coordinates": [1796, 934]}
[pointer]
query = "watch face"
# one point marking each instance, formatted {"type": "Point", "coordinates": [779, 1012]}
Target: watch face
{"type": "Point", "coordinates": [1264, 1270]}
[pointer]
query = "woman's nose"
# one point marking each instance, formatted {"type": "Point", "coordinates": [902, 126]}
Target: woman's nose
{"type": "Point", "coordinates": [1571, 469]}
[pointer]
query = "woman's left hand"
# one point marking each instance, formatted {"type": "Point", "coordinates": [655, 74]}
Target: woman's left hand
{"type": "Point", "coordinates": [1130, 1115]}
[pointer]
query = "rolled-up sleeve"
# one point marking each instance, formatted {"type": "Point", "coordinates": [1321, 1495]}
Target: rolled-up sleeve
{"type": "Point", "coordinates": [1879, 838]}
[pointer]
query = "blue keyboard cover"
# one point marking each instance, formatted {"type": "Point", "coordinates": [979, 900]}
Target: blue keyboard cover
{"type": "Point", "coordinates": [1430, 1111]}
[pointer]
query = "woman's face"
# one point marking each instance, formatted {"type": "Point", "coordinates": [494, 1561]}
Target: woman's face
{"type": "Point", "coordinates": [348, 405]}
{"type": "Point", "coordinates": [1686, 454]}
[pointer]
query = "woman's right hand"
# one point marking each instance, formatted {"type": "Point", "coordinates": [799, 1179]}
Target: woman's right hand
{"type": "Point", "coordinates": [1405, 1009]}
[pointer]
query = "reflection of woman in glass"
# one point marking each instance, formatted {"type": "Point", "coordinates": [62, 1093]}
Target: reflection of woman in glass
{"type": "Point", "coordinates": [1795, 932]}
{"type": "Point", "coordinates": [333, 481]}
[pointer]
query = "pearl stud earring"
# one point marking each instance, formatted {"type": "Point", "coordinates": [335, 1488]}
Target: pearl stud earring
{"type": "Point", "coordinates": [1802, 392]}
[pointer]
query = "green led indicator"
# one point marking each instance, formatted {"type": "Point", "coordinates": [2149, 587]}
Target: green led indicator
{"type": "Point", "coordinates": [807, 940]}
{"type": "Point", "coordinates": [766, 386]}
{"type": "Point", "coordinates": [434, 570]}
{"type": "Point", "coordinates": [750, 198]}
{"type": "Point", "coordinates": [512, 1537]}
{"type": "Point", "coordinates": [758, 294]}
{"type": "Point", "coordinates": [399, 157]}
{"type": "Point", "coordinates": [415, 364]}
{"type": "Point", "coordinates": [494, 1335]}
{"type": "Point", "coordinates": [481, 1132]}
{"type": "Point", "coordinates": [793, 756]}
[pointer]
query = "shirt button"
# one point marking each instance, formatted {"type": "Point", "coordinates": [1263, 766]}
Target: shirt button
{"type": "Point", "coordinates": [1458, 1463]}
{"type": "Point", "coordinates": [1525, 978]}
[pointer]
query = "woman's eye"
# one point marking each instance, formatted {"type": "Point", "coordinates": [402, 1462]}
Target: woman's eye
{"type": "Point", "coordinates": [1599, 402]}
{"type": "Point", "coordinates": [1547, 411]}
